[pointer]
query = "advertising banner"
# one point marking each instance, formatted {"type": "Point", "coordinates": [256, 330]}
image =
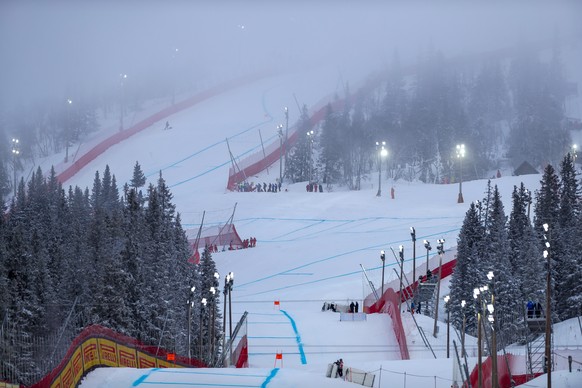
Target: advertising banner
{"type": "Point", "coordinates": [126, 357]}
{"type": "Point", "coordinates": [145, 360]}
{"type": "Point", "coordinates": [107, 352]}
{"type": "Point", "coordinates": [90, 353]}
{"type": "Point", "coordinates": [77, 365]}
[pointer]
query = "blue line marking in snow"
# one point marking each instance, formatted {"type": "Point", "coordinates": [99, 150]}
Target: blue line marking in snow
{"type": "Point", "coordinates": [270, 377]}
{"type": "Point", "coordinates": [143, 377]}
{"type": "Point", "coordinates": [270, 119]}
{"type": "Point", "coordinates": [298, 337]}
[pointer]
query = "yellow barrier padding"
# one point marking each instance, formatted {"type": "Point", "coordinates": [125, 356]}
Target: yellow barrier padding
{"type": "Point", "coordinates": [67, 380]}
{"type": "Point", "coordinates": [90, 353]}
{"type": "Point", "coordinates": [167, 364]}
{"type": "Point", "coordinates": [145, 360]}
{"type": "Point", "coordinates": [57, 382]}
{"type": "Point", "coordinates": [126, 356]}
{"type": "Point", "coordinates": [107, 352]}
{"type": "Point", "coordinates": [77, 364]}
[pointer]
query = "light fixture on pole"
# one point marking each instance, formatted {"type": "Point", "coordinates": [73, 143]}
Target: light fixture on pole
{"type": "Point", "coordinates": [460, 156]}
{"type": "Point", "coordinates": [413, 236]}
{"type": "Point", "coordinates": [401, 254]}
{"type": "Point", "coordinates": [574, 152]}
{"type": "Point", "coordinates": [310, 135]}
{"type": "Point", "coordinates": [122, 78]}
{"type": "Point", "coordinates": [15, 153]}
{"type": "Point", "coordinates": [286, 110]}
{"type": "Point", "coordinates": [463, 304]}
{"type": "Point", "coordinates": [383, 258]}
{"type": "Point", "coordinates": [548, 351]}
{"type": "Point", "coordinates": [203, 301]}
{"type": "Point", "coordinates": [190, 305]}
{"type": "Point", "coordinates": [491, 318]}
{"type": "Point", "coordinates": [441, 252]}
{"type": "Point", "coordinates": [447, 299]}
{"type": "Point", "coordinates": [213, 291]}
{"type": "Point", "coordinates": [280, 133]}
{"type": "Point", "coordinates": [68, 129]}
{"type": "Point", "coordinates": [230, 284]}
{"type": "Point", "coordinates": [382, 152]}
{"type": "Point", "coordinates": [428, 248]}
{"type": "Point", "coordinates": [477, 297]}
{"type": "Point", "coordinates": [225, 292]}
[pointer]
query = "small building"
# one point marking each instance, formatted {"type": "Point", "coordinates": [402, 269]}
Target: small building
{"type": "Point", "coordinates": [525, 169]}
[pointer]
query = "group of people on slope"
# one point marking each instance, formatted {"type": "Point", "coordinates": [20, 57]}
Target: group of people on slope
{"type": "Point", "coordinates": [246, 243]}
{"type": "Point", "coordinates": [246, 187]}
{"type": "Point", "coordinates": [314, 188]}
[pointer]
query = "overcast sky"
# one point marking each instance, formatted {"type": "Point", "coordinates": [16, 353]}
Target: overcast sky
{"type": "Point", "coordinates": [49, 48]}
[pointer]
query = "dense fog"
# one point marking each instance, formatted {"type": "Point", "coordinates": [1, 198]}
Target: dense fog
{"type": "Point", "coordinates": [51, 50]}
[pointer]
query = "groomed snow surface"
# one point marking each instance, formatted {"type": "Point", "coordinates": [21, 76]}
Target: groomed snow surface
{"type": "Point", "coordinates": [309, 246]}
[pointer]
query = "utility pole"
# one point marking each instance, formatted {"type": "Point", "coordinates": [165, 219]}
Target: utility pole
{"type": "Point", "coordinates": [441, 252]}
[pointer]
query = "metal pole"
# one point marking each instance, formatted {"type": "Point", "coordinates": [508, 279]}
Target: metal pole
{"type": "Point", "coordinates": [413, 235]}
{"type": "Point", "coordinates": [436, 312]}
{"type": "Point", "coordinates": [189, 329]}
{"type": "Point", "coordinates": [448, 330]}
{"type": "Point", "coordinates": [549, 324]}
{"type": "Point", "coordinates": [225, 291]}
{"type": "Point", "coordinates": [463, 354]}
{"type": "Point", "coordinates": [548, 351]}
{"type": "Point", "coordinates": [401, 274]}
{"type": "Point", "coordinates": [379, 193]}
{"type": "Point", "coordinates": [428, 248]}
{"type": "Point", "coordinates": [286, 134]}
{"type": "Point", "coordinates": [280, 133]}
{"type": "Point", "coordinates": [460, 156]}
{"type": "Point", "coordinates": [494, 372]}
{"type": "Point", "coordinates": [201, 352]}
{"type": "Point", "coordinates": [230, 316]}
{"type": "Point", "coordinates": [479, 355]}
{"type": "Point", "coordinates": [383, 258]}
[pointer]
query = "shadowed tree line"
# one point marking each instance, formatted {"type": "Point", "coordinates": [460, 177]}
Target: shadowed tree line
{"type": "Point", "coordinates": [71, 258]}
{"type": "Point", "coordinates": [508, 110]}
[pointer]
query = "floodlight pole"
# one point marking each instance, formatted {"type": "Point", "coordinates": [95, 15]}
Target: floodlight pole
{"type": "Point", "coordinates": [441, 252]}
{"type": "Point", "coordinates": [401, 254]}
{"type": "Point", "coordinates": [460, 156]}
{"type": "Point", "coordinates": [413, 235]}
{"type": "Point", "coordinates": [548, 350]}
{"type": "Point", "coordinates": [383, 258]}
{"type": "Point", "coordinates": [428, 248]}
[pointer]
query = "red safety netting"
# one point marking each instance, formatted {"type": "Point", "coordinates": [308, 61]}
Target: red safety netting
{"type": "Point", "coordinates": [254, 164]}
{"type": "Point", "coordinates": [103, 146]}
{"type": "Point", "coordinates": [224, 237]}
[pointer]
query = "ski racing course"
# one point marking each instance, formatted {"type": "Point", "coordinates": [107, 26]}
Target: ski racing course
{"type": "Point", "coordinates": [310, 245]}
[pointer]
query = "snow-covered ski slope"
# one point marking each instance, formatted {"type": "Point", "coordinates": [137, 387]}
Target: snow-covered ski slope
{"type": "Point", "coordinates": [310, 245]}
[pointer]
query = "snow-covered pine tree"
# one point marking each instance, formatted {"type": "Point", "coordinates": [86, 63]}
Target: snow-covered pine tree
{"type": "Point", "coordinates": [331, 148]}
{"type": "Point", "coordinates": [547, 210]}
{"type": "Point", "coordinates": [138, 179]}
{"type": "Point", "coordinates": [524, 253]}
{"type": "Point", "coordinates": [300, 160]}
{"type": "Point", "coordinates": [465, 275]}
{"type": "Point", "coordinates": [568, 271]}
{"type": "Point", "coordinates": [212, 319]}
{"type": "Point", "coordinates": [507, 298]}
